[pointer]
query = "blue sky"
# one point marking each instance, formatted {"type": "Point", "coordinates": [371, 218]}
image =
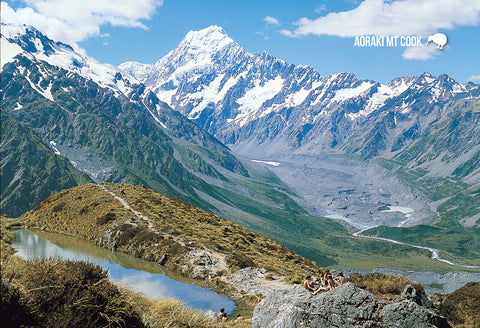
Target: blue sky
{"type": "Point", "coordinates": [318, 33]}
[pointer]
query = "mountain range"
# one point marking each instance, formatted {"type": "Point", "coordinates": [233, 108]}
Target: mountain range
{"type": "Point", "coordinates": [398, 154]}
{"type": "Point", "coordinates": [165, 125]}
{"type": "Point", "coordinates": [262, 106]}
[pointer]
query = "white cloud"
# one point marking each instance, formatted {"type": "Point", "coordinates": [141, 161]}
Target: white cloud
{"type": "Point", "coordinates": [383, 17]}
{"type": "Point", "coordinates": [72, 21]}
{"type": "Point", "coordinates": [320, 9]}
{"type": "Point", "coordinates": [420, 53]}
{"type": "Point", "coordinates": [287, 33]}
{"type": "Point", "coordinates": [271, 20]}
{"type": "Point", "coordinates": [474, 78]}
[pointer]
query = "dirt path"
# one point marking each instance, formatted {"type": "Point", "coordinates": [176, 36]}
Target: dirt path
{"type": "Point", "coordinates": [128, 207]}
{"type": "Point", "coordinates": [141, 216]}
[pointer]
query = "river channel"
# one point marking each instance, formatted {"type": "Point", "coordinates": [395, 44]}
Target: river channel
{"type": "Point", "coordinates": [141, 275]}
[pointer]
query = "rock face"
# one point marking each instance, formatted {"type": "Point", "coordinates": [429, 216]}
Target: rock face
{"type": "Point", "coordinates": [345, 306]}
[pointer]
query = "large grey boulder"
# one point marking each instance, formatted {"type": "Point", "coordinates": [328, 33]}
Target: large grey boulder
{"type": "Point", "coordinates": [345, 306]}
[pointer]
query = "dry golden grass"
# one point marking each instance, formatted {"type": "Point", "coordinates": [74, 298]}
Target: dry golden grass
{"type": "Point", "coordinates": [56, 293]}
{"type": "Point", "coordinates": [384, 286]}
{"type": "Point", "coordinates": [169, 313]}
{"type": "Point", "coordinates": [92, 214]}
{"type": "Point", "coordinates": [462, 307]}
{"type": "Point", "coordinates": [6, 237]}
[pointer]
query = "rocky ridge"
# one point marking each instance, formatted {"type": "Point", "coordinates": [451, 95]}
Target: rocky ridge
{"type": "Point", "coordinates": [262, 106]}
{"type": "Point", "coordinates": [345, 306]}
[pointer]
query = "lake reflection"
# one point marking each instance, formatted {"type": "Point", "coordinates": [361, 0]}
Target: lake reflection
{"type": "Point", "coordinates": [145, 276]}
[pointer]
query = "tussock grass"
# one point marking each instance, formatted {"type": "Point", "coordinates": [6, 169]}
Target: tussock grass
{"type": "Point", "coordinates": [170, 313]}
{"type": "Point", "coordinates": [384, 286]}
{"type": "Point", "coordinates": [6, 237]}
{"type": "Point", "coordinates": [462, 307]}
{"type": "Point", "coordinates": [92, 214]}
{"type": "Point", "coordinates": [56, 293]}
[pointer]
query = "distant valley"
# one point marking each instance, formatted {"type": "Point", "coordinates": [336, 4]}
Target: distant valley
{"type": "Point", "coordinates": [346, 148]}
{"type": "Point", "coordinates": [350, 149]}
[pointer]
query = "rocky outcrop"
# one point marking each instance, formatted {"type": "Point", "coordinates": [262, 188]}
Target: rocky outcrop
{"type": "Point", "coordinates": [345, 306]}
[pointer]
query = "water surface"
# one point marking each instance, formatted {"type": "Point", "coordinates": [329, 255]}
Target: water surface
{"type": "Point", "coordinates": [147, 277]}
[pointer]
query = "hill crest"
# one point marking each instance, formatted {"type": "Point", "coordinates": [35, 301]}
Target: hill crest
{"type": "Point", "coordinates": [146, 224]}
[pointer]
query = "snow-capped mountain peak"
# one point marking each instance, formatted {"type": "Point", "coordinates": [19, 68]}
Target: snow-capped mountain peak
{"type": "Point", "coordinates": [17, 39]}
{"type": "Point", "coordinates": [205, 50]}
{"type": "Point", "coordinates": [211, 39]}
{"type": "Point", "coordinates": [231, 93]}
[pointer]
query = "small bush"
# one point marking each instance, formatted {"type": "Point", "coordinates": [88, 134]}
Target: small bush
{"type": "Point", "coordinates": [110, 216]}
{"type": "Point", "coordinates": [58, 207]}
{"type": "Point", "coordinates": [239, 261]}
{"type": "Point", "coordinates": [462, 307]}
{"type": "Point", "coordinates": [128, 232]}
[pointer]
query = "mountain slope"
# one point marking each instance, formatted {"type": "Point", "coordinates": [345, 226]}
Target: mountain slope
{"type": "Point", "coordinates": [327, 135]}
{"type": "Point", "coordinates": [29, 167]}
{"type": "Point", "coordinates": [262, 106]}
{"type": "Point", "coordinates": [87, 117]}
{"type": "Point", "coordinates": [114, 129]}
{"type": "Point", "coordinates": [169, 231]}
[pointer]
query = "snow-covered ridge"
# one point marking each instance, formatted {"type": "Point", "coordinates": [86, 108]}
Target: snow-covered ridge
{"type": "Point", "coordinates": [26, 39]}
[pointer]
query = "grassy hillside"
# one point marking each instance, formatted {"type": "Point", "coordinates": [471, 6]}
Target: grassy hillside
{"type": "Point", "coordinates": [175, 229]}
{"type": "Point", "coordinates": [171, 232]}
{"type": "Point", "coordinates": [462, 307]}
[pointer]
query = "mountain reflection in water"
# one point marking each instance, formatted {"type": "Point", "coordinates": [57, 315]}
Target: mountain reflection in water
{"type": "Point", "coordinates": [147, 277]}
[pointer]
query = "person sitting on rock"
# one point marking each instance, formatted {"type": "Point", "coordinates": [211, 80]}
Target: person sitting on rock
{"type": "Point", "coordinates": [221, 314]}
{"type": "Point", "coordinates": [339, 279]}
{"type": "Point", "coordinates": [311, 285]}
{"type": "Point", "coordinates": [328, 278]}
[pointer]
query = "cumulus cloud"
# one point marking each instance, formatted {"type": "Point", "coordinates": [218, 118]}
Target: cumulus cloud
{"type": "Point", "coordinates": [72, 21]}
{"type": "Point", "coordinates": [381, 17]}
{"type": "Point", "coordinates": [420, 53]}
{"type": "Point", "coordinates": [474, 78]}
{"type": "Point", "coordinates": [271, 20]}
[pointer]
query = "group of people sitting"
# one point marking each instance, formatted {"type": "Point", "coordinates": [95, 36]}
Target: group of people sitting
{"type": "Point", "coordinates": [222, 317]}
{"type": "Point", "coordinates": [327, 282]}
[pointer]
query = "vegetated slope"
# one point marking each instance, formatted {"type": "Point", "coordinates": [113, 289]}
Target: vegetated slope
{"type": "Point", "coordinates": [462, 307]}
{"type": "Point", "coordinates": [172, 232]}
{"type": "Point", "coordinates": [430, 166]}
{"type": "Point", "coordinates": [114, 129]}
{"type": "Point", "coordinates": [29, 167]}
